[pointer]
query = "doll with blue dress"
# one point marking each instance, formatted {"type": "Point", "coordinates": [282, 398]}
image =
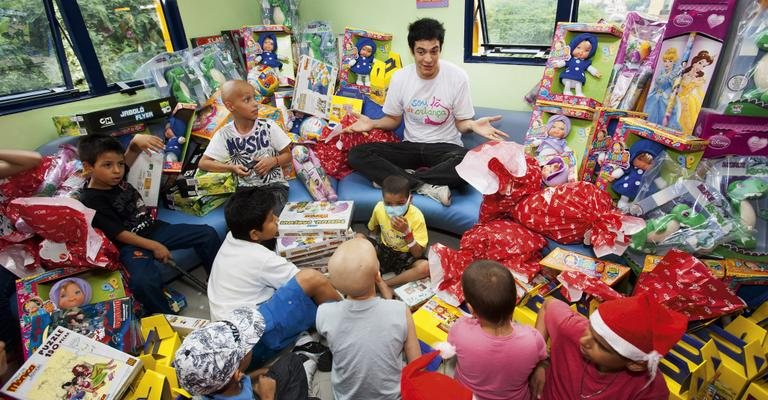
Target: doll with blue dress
{"type": "Point", "coordinates": [583, 48]}
{"type": "Point", "coordinates": [627, 181]}
{"type": "Point", "coordinates": [661, 91]}
{"type": "Point", "coordinates": [363, 64]}
{"type": "Point", "coordinates": [268, 56]}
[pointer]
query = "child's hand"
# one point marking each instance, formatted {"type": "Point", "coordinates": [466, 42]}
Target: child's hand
{"type": "Point", "coordinates": [265, 387]}
{"type": "Point", "coordinates": [147, 143]}
{"type": "Point", "coordinates": [536, 381]}
{"type": "Point", "coordinates": [239, 170]}
{"type": "Point", "coordinates": [161, 252]}
{"type": "Point", "coordinates": [400, 224]}
{"type": "Point", "coordinates": [265, 165]}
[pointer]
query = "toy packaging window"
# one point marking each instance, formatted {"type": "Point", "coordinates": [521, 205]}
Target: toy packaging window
{"type": "Point", "coordinates": [605, 122]}
{"type": "Point", "coordinates": [271, 46]}
{"type": "Point", "coordinates": [314, 87]}
{"type": "Point", "coordinates": [360, 51]}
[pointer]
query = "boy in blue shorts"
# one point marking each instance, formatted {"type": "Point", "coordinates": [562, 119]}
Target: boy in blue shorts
{"type": "Point", "coordinates": [245, 273]}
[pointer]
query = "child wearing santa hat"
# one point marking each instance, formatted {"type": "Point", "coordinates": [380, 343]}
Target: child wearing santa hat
{"type": "Point", "coordinates": [613, 355]}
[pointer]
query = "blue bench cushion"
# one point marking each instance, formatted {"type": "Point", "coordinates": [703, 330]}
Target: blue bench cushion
{"type": "Point", "coordinates": [457, 218]}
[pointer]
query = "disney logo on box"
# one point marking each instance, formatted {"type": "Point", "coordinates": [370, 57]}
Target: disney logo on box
{"type": "Point", "coordinates": [683, 20]}
{"type": "Point", "coordinates": [719, 142]}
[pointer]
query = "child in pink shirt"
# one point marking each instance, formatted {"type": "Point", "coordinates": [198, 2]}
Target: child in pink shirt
{"type": "Point", "coordinates": [613, 355]}
{"type": "Point", "coordinates": [495, 356]}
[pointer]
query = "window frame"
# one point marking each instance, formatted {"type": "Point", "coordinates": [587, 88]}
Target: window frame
{"type": "Point", "coordinates": [84, 50]}
{"type": "Point", "coordinates": [567, 11]}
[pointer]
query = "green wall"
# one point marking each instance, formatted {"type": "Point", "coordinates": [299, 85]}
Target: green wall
{"type": "Point", "coordinates": [493, 85]}
{"type": "Point", "coordinates": [500, 86]}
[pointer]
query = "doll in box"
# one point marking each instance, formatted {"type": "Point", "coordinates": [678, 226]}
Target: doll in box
{"type": "Point", "coordinates": [70, 292]}
{"type": "Point", "coordinates": [627, 181]}
{"type": "Point", "coordinates": [310, 172]}
{"type": "Point", "coordinates": [583, 48]}
{"type": "Point", "coordinates": [268, 55]}
{"type": "Point", "coordinates": [658, 98]}
{"type": "Point", "coordinates": [691, 90]}
{"type": "Point", "coordinates": [553, 150]}
{"type": "Point", "coordinates": [363, 64]}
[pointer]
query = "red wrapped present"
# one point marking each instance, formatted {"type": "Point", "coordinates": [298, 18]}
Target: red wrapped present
{"type": "Point", "coordinates": [445, 268]}
{"type": "Point", "coordinates": [511, 189]}
{"type": "Point", "coordinates": [21, 258]}
{"type": "Point", "coordinates": [332, 151]}
{"type": "Point", "coordinates": [65, 224]}
{"type": "Point", "coordinates": [578, 212]}
{"type": "Point", "coordinates": [683, 283]}
{"type": "Point", "coordinates": [576, 283]}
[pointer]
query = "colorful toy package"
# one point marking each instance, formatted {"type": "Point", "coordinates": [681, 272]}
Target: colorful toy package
{"type": "Point", "coordinates": [381, 75]}
{"type": "Point", "coordinates": [634, 64]}
{"type": "Point", "coordinates": [211, 117]}
{"type": "Point", "coordinates": [598, 140]}
{"type": "Point", "coordinates": [564, 260]}
{"type": "Point", "coordinates": [173, 75]}
{"type": "Point", "coordinates": [311, 174]}
{"type": "Point", "coordinates": [688, 58]}
{"type": "Point", "coordinates": [581, 57]}
{"type": "Point", "coordinates": [315, 83]}
{"type": "Point", "coordinates": [732, 135]}
{"type": "Point", "coordinates": [744, 182]}
{"type": "Point", "coordinates": [280, 12]}
{"type": "Point", "coordinates": [557, 136]}
{"type": "Point", "coordinates": [318, 41]}
{"type": "Point", "coordinates": [744, 87]}
{"type": "Point", "coordinates": [214, 65]}
{"type": "Point", "coordinates": [270, 45]}
{"type": "Point", "coordinates": [359, 50]}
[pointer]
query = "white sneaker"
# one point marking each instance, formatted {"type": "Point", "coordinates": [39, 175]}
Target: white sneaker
{"type": "Point", "coordinates": [439, 193]}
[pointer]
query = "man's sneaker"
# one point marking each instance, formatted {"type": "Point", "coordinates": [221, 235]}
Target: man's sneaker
{"type": "Point", "coordinates": [439, 193]}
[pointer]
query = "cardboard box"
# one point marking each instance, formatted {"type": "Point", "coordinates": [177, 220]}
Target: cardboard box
{"type": "Point", "coordinates": [433, 320]}
{"type": "Point", "coordinates": [564, 260]}
{"type": "Point", "coordinates": [116, 121]}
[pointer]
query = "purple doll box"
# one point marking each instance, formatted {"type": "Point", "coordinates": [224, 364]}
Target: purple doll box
{"type": "Point", "coordinates": [732, 135]}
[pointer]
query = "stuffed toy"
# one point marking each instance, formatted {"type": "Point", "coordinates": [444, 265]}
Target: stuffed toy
{"type": "Point", "coordinates": [310, 172]}
{"type": "Point", "coordinates": [175, 77]}
{"type": "Point", "coordinates": [583, 48]}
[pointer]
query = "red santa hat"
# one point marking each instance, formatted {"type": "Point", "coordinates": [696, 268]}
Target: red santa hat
{"type": "Point", "coordinates": [417, 384]}
{"type": "Point", "coordinates": [639, 328]}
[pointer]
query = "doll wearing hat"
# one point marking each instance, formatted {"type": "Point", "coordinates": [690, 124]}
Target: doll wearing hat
{"type": "Point", "coordinates": [550, 150]}
{"type": "Point", "coordinates": [583, 48]}
{"type": "Point", "coordinates": [613, 355]}
{"type": "Point", "coordinates": [363, 65]}
{"type": "Point", "coordinates": [627, 182]}
{"type": "Point", "coordinates": [268, 56]}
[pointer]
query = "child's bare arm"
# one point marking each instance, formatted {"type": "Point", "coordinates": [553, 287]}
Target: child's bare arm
{"type": "Point", "coordinates": [411, 348]}
{"type": "Point", "coordinates": [158, 249]}
{"type": "Point", "coordinates": [541, 324]}
{"type": "Point", "coordinates": [209, 164]}
{"type": "Point", "coordinates": [266, 164]}
{"type": "Point", "coordinates": [145, 143]}
{"type": "Point", "coordinates": [13, 162]}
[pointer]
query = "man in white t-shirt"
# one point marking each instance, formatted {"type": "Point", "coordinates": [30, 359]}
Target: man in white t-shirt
{"type": "Point", "coordinates": [433, 97]}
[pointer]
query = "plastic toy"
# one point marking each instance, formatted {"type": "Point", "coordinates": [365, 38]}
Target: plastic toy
{"type": "Point", "coordinates": [312, 128]}
{"type": "Point", "coordinates": [280, 12]}
{"type": "Point", "coordinates": [319, 42]}
{"type": "Point", "coordinates": [657, 230]}
{"type": "Point", "coordinates": [179, 89]}
{"type": "Point", "coordinates": [740, 193]}
{"type": "Point", "coordinates": [310, 172]}
{"type": "Point", "coordinates": [627, 181]}
{"type": "Point", "coordinates": [583, 48]}
{"type": "Point", "coordinates": [660, 95]}
{"type": "Point", "coordinates": [363, 64]}
{"type": "Point", "coordinates": [264, 79]}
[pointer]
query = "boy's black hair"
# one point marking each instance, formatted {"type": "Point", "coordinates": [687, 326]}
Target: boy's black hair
{"type": "Point", "coordinates": [248, 209]}
{"type": "Point", "coordinates": [91, 146]}
{"type": "Point", "coordinates": [490, 288]}
{"type": "Point", "coordinates": [395, 184]}
{"type": "Point", "coordinates": [425, 29]}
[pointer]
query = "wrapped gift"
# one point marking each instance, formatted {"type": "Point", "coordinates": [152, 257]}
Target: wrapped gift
{"type": "Point", "coordinates": [576, 283]}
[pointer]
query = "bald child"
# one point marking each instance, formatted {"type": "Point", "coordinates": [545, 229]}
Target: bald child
{"type": "Point", "coordinates": [253, 149]}
{"type": "Point", "coordinates": [368, 336]}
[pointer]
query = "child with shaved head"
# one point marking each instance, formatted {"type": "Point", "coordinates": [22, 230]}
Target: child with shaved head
{"type": "Point", "coordinates": [253, 149]}
{"type": "Point", "coordinates": [367, 335]}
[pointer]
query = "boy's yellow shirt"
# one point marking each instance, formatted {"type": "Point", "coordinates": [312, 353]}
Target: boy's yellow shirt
{"type": "Point", "coordinates": [394, 238]}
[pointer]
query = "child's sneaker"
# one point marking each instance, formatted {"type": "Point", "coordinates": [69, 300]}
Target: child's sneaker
{"type": "Point", "coordinates": [439, 193]}
{"type": "Point", "coordinates": [318, 352]}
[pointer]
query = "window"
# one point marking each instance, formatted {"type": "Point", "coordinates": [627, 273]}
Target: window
{"type": "Point", "coordinates": [53, 51]}
{"type": "Point", "coordinates": [520, 31]}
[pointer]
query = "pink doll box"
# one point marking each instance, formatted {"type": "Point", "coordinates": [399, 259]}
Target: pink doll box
{"type": "Point", "coordinates": [349, 54]}
{"type": "Point", "coordinates": [605, 122]}
{"type": "Point", "coordinates": [581, 127]}
{"type": "Point", "coordinates": [732, 135]}
{"type": "Point", "coordinates": [253, 38]}
{"type": "Point", "coordinates": [608, 41]}
{"type": "Point", "coordinates": [686, 149]}
{"type": "Point", "coordinates": [688, 57]}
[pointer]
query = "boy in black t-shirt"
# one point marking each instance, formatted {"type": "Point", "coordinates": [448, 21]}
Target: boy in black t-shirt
{"type": "Point", "coordinates": [122, 215]}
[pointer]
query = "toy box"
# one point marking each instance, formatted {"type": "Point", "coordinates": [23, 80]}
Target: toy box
{"type": "Point", "coordinates": [688, 58]}
{"type": "Point", "coordinates": [144, 175]}
{"type": "Point", "coordinates": [744, 84]}
{"type": "Point", "coordinates": [318, 41]}
{"type": "Point", "coordinates": [315, 218]}
{"type": "Point", "coordinates": [433, 320]}
{"type": "Point", "coordinates": [340, 104]}
{"type": "Point", "coordinates": [732, 135]}
{"type": "Point", "coordinates": [689, 367]}
{"type": "Point", "coordinates": [527, 310]}
{"type": "Point", "coordinates": [716, 267]}
{"type": "Point", "coordinates": [315, 83]}
{"type": "Point", "coordinates": [116, 121]}
{"type": "Point", "coordinates": [608, 39]}
{"type": "Point", "coordinates": [415, 293]}
{"type": "Point", "coordinates": [294, 247]}
{"type": "Point", "coordinates": [351, 59]}
{"type": "Point", "coordinates": [564, 260]}
{"type": "Point", "coordinates": [381, 75]}
{"type": "Point", "coordinates": [211, 117]}
{"type": "Point", "coordinates": [180, 127]}
{"type": "Point", "coordinates": [686, 150]}
{"type": "Point", "coordinates": [201, 183]}
{"type": "Point", "coordinates": [605, 122]}
{"type": "Point", "coordinates": [185, 325]}
{"type": "Point", "coordinates": [577, 121]}
{"type": "Point", "coordinates": [280, 58]}
{"type": "Point", "coordinates": [743, 272]}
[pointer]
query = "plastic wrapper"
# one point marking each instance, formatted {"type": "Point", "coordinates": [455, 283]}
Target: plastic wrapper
{"type": "Point", "coordinates": [311, 174]}
{"type": "Point", "coordinates": [575, 284]}
{"type": "Point", "coordinates": [504, 241]}
{"type": "Point", "coordinates": [333, 153]}
{"type": "Point", "coordinates": [173, 75]}
{"type": "Point", "coordinates": [21, 259]}
{"type": "Point", "coordinates": [280, 12]}
{"type": "Point", "coordinates": [635, 61]}
{"type": "Point", "coordinates": [683, 283]}
{"type": "Point", "coordinates": [318, 41]}
{"type": "Point", "coordinates": [744, 182]}
{"type": "Point", "coordinates": [578, 212]}
{"type": "Point", "coordinates": [689, 214]}
{"type": "Point", "coordinates": [474, 167]}
{"type": "Point", "coordinates": [65, 226]}
{"type": "Point", "coordinates": [214, 66]}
